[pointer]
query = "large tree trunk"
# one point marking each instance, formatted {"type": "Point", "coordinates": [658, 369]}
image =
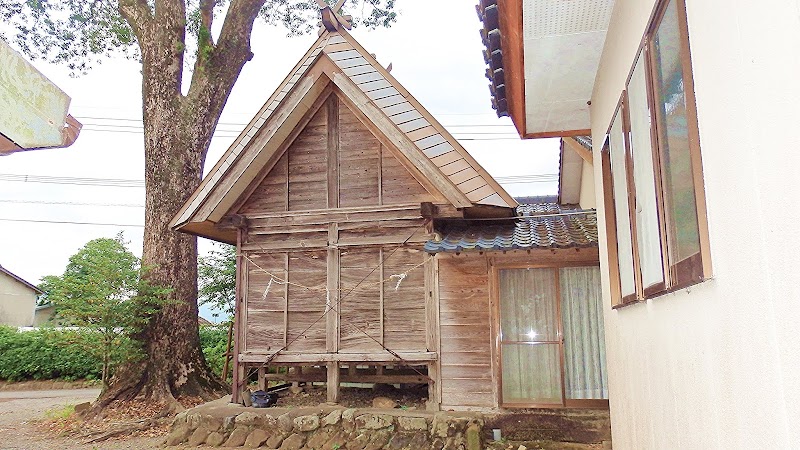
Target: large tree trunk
{"type": "Point", "coordinates": [178, 130]}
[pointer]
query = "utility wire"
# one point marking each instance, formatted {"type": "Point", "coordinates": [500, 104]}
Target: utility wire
{"type": "Point", "coordinates": [67, 222]}
{"type": "Point", "coordinates": [116, 182]}
{"type": "Point", "coordinates": [108, 182]}
{"type": "Point", "coordinates": [45, 202]}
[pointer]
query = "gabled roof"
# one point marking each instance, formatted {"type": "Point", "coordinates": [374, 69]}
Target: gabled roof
{"type": "Point", "coordinates": [20, 280]}
{"type": "Point", "coordinates": [397, 119]}
{"type": "Point", "coordinates": [540, 225]}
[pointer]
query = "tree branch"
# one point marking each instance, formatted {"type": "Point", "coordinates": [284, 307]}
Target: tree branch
{"type": "Point", "coordinates": [206, 20]}
{"type": "Point", "coordinates": [216, 71]}
{"type": "Point", "coordinates": [171, 13]}
{"type": "Point", "coordinates": [137, 13]}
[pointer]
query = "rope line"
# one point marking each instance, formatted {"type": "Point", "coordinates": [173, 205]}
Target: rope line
{"type": "Point", "coordinates": [334, 306]}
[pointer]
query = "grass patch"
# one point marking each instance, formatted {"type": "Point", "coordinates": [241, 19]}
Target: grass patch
{"type": "Point", "coordinates": [62, 412]}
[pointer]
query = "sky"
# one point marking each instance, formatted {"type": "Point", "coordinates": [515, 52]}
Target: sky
{"type": "Point", "coordinates": [54, 201]}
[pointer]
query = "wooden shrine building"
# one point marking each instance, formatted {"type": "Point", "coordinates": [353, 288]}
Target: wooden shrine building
{"type": "Point", "coordinates": [340, 196]}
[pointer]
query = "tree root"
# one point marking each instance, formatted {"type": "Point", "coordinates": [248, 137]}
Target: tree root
{"type": "Point", "coordinates": [125, 428]}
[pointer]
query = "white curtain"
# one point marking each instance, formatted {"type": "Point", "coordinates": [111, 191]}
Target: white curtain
{"type": "Point", "coordinates": [648, 234]}
{"type": "Point", "coordinates": [584, 343]}
{"type": "Point", "coordinates": [528, 316]}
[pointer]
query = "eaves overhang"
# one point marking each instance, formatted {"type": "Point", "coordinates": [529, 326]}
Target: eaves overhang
{"type": "Point", "coordinates": [33, 110]}
{"type": "Point", "coordinates": [542, 73]}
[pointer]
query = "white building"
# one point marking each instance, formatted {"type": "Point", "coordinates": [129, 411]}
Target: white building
{"type": "Point", "coordinates": [692, 106]}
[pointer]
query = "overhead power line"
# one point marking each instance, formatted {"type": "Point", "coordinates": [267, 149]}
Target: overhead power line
{"type": "Point", "coordinates": [68, 222]}
{"type": "Point", "coordinates": [45, 202]}
{"type": "Point", "coordinates": [109, 182]}
{"type": "Point", "coordinates": [115, 182]}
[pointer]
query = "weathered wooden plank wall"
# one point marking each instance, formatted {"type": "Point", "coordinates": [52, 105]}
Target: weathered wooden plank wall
{"type": "Point", "coordinates": [368, 173]}
{"type": "Point", "coordinates": [465, 327]}
{"type": "Point", "coordinates": [335, 162]}
{"type": "Point", "coordinates": [404, 300]}
{"type": "Point", "coordinates": [360, 309]}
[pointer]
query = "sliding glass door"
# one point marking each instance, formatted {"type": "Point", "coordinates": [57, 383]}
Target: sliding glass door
{"type": "Point", "coordinates": [552, 350]}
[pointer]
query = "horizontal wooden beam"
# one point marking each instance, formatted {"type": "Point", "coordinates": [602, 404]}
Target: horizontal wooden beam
{"type": "Point", "coordinates": [314, 358]}
{"type": "Point", "coordinates": [318, 217]}
{"type": "Point", "coordinates": [346, 378]}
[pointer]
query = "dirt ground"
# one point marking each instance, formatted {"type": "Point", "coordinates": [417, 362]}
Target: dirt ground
{"type": "Point", "coordinates": [22, 414]}
{"type": "Point", "coordinates": [29, 413]}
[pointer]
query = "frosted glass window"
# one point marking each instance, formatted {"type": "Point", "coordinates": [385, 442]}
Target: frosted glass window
{"type": "Point", "coordinates": [531, 373]}
{"type": "Point", "coordinates": [528, 310]}
{"type": "Point", "coordinates": [648, 236]}
{"type": "Point", "coordinates": [683, 234]}
{"type": "Point", "coordinates": [584, 337]}
{"type": "Point", "coordinates": [624, 239]}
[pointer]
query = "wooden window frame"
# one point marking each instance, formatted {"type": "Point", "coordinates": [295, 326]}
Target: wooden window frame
{"type": "Point", "coordinates": [697, 268]}
{"type": "Point", "coordinates": [497, 347]}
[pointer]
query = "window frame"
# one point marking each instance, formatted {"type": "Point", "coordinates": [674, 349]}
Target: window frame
{"type": "Point", "coordinates": [497, 361]}
{"type": "Point", "coordinates": [675, 275]}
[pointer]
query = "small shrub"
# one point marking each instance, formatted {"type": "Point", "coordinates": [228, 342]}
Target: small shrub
{"type": "Point", "coordinates": [213, 340]}
{"type": "Point", "coordinates": [51, 353]}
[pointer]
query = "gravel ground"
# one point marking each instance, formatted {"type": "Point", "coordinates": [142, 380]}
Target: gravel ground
{"type": "Point", "coordinates": [21, 410]}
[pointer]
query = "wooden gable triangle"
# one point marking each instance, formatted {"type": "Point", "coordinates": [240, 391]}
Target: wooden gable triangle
{"type": "Point", "coordinates": [335, 162]}
{"type": "Point", "coordinates": [337, 62]}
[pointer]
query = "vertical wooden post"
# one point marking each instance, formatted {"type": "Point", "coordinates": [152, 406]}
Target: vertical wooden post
{"type": "Point", "coordinates": [432, 335]}
{"type": "Point", "coordinates": [381, 287]}
{"type": "Point", "coordinates": [238, 375]}
{"type": "Point", "coordinates": [332, 302]}
{"type": "Point", "coordinates": [332, 317]}
{"type": "Point", "coordinates": [333, 151]}
{"type": "Point", "coordinates": [333, 381]}
{"type": "Point", "coordinates": [262, 381]}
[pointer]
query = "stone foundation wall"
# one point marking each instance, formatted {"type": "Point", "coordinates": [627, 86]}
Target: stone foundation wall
{"type": "Point", "coordinates": [329, 428]}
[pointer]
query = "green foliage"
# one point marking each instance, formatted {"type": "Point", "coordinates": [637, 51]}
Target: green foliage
{"type": "Point", "coordinates": [217, 279]}
{"type": "Point", "coordinates": [213, 340]}
{"type": "Point", "coordinates": [102, 291]}
{"type": "Point", "coordinates": [80, 33]}
{"type": "Point", "coordinates": [46, 354]}
{"type": "Point", "coordinates": [77, 33]}
{"type": "Point", "coordinates": [67, 354]}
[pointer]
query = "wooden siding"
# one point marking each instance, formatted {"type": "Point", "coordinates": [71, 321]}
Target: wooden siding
{"type": "Point", "coordinates": [361, 320]}
{"type": "Point", "coordinates": [365, 173]}
{"type": "Point", "coordinates": [308, 162]}
{"type": "Point", "coordinates": [371, 313]}
{"type": "Point", "coordinates": [399, 186]}
{"type": "Point", "coordinates": [305, 330]}
{"type": "Point", "coordinates": [272, 192]}
{"type": "Point", "coordinates": [359, 162]}
{"type": "Point", "coordinates": [265, 311]}
{"type": "Point", "coordinates": [404, 301]}
{"type": "Point", "coordinates": [465, 328]}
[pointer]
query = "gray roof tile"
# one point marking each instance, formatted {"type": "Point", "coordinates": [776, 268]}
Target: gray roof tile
{"type": "Point", "coordinates": [540, 225]}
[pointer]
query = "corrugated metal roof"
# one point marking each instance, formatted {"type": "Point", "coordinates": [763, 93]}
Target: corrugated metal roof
{"type": "Point", "coordinates": [541, 225]}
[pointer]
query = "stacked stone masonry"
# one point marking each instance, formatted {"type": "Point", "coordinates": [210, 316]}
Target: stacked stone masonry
{"type": "Point", "coordinates": [329, 428]}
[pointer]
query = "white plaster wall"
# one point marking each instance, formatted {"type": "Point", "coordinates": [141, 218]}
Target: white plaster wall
{"type": "Point", "coordinates": [718, 365]}
{"type": "Point", "coordinates": [17, 302]}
